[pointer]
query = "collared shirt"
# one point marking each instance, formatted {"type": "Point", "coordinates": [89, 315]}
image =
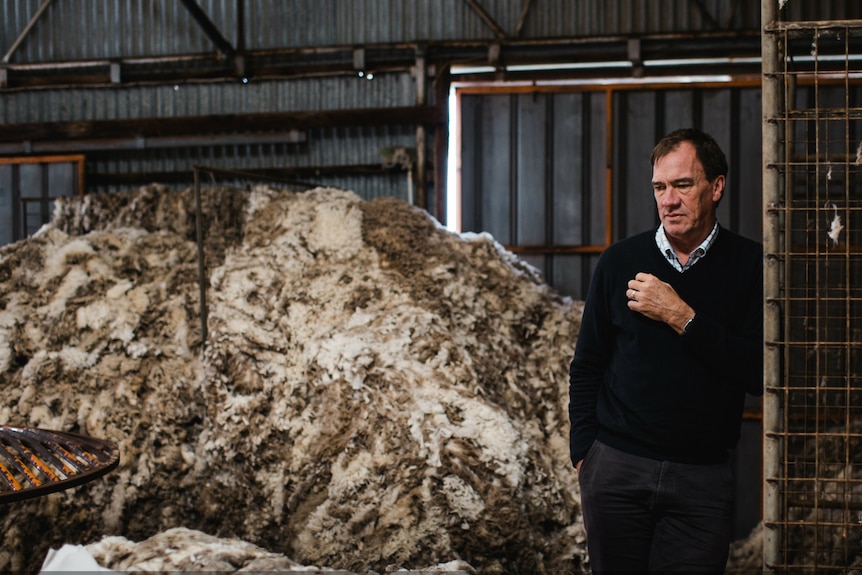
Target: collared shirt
{"type": "Point", "coordinates": [664, 246]}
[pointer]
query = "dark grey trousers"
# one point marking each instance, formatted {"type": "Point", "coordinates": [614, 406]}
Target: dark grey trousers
{"type": "Point", "coordinates": [644, 515]}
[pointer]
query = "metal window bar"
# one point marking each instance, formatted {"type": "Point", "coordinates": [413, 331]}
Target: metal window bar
{"type": "Point", "coordinates": [238, 176]}
{"type": "Point", "coordinates": [35, 212]}
{"type": "Point", "coordinates": [812, 146]}
{"type": "Point", "coordinates": [29, 208]}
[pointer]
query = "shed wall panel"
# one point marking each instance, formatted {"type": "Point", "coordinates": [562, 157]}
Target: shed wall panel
{"type": "Point", "coordinates": [196, 99]}
{"type": "Point", "coordinates": [529, 159]}
{"type": "Point", "coordinates": [495, 207]}
{"type": "Point", "coordinates": [566, 187]}
{"type": "Point", "coordinates": [635, 134]}
{"type": "Point", "coordinates": [87, 29]}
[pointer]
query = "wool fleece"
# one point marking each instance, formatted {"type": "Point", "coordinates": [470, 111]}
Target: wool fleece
{"type": "Point", "coordinates": [373, 392]}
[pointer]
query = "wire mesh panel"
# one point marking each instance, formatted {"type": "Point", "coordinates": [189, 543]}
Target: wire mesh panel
{"type": "Point", "coordinates": [813, 288]}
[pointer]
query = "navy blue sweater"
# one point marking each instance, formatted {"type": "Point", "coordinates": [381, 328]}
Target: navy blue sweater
{"type": "Point", "coordinates": [637, 385]}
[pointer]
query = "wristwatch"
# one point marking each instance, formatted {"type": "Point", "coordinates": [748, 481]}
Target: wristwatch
{"type": "Point", "coordinates": [687, 325]}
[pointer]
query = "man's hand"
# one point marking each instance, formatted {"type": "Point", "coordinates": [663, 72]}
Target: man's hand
{"type": "Point", "coordinates": [658, 300]}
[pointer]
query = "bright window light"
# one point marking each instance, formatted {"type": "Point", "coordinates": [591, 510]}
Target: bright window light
{"type": "Point", "coordinates": [453, 169]}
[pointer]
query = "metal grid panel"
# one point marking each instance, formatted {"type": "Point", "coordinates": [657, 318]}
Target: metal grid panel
{"type": "Point", "coordinates": [813, 288]}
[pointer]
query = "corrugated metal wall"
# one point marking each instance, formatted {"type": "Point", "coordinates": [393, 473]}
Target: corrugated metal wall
{"type": "Point", "coordinates": [333, 147]}
{"type": "Point", "coordinates": [161, 27]}
{"type": "Point", "coordinates": [91, 29]}
{"type": "Point", "coordinates": [531, 164]}
{"type": "Point", "coordinates": [174, 100]}
{"type": "Point", "coordinates": [106, 30]}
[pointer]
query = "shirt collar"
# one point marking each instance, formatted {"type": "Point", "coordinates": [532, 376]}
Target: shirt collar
{"type": "Point", "coordinates": [664, 246]}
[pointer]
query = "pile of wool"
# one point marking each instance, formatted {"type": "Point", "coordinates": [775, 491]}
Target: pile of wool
{"type": "Point", "coordinates": [373, 391]}
{"type": "Point", "coordinates": [181, 550]}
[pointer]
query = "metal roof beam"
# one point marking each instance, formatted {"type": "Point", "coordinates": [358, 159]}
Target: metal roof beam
{"type": "Point", "coordinates": [217, 124]}
{"type": "Point", "coordinates": [523, 18]}
{"type": "Point", "coordinates": [26, 30]}
{"type": "Point", "coordinates": [487, 18]}
{"type": "Point", "coordinates": [209, 28]}
{"type": "Point", "coordinates": [707, 15]}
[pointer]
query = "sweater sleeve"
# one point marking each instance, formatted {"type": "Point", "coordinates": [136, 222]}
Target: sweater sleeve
{"type": "Point", "coordinates": [588, 367]}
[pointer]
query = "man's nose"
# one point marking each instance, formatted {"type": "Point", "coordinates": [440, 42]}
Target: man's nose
{"type": "Point", "coordinates": [670, 197]}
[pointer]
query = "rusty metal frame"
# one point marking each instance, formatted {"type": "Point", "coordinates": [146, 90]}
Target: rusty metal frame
{"type": "Point", "coordinates": [812, 206]}
{"type": "Point", "coordinates": [79, 159]}
{"type": "Point", "coordinates": [772, 194]}
{"type": "Point", "coordinates": [18, 223]}
{"type": "Point", "coordinates": [35, 462]}
{"type": "Point", "coordinates": [609, 90]}
{"type": "Point", "coordinates": [557, 249]}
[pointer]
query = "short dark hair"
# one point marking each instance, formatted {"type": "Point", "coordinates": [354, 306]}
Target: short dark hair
{"type": "Point", "coordinates": [708, 151]}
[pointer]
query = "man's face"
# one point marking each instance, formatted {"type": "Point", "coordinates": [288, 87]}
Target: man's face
{"type": "Point", "coordinates": [684, 197]}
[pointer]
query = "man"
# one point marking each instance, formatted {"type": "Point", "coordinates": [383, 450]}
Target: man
{"type": "Point", "coordinates": [671, 340]}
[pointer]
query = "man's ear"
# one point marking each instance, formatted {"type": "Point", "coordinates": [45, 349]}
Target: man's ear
{"type": "Point", "coordinates": [718, 188]}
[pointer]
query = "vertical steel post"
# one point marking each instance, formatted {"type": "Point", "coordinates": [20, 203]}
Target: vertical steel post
{"type": "Point", "coordinates": [419, 177]}
{"type": "Point", "coordinates": [772, 202]}
{"type": "Point", "coordinates": [202, 284]}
